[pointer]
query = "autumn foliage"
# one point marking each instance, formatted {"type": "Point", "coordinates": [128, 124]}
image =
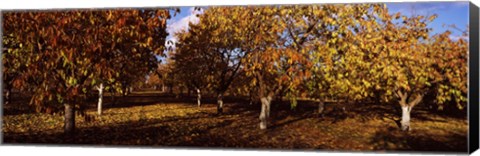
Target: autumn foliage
{"type": "Point", "coordinates": [68, 52]}
{"type": "Point", "coordinates": [353, 53]}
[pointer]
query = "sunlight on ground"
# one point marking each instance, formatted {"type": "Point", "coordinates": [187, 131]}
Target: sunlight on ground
{"type": "Point", "coordinates": [178, 124]}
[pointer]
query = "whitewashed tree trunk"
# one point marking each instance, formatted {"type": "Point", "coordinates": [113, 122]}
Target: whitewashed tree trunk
{"type": "Point", "coordinates": [199, 97]}
{"type": "Point", "coordinates": [321, 107]}
{"type": "Point", "coordinates": [100, 99]}
{"type": "Point", "coordinates": [7, 96]}
{"type": "Point", "coordinates": [265, 112]}
{"type": "Point", "coordinates": [407, 106]}
{"type": "Point", "coordinates": [220, 103]}
{"type": "Point", "coordinates": [405, 122]}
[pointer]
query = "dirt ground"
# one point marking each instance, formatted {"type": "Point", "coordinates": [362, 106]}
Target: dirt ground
{"type": "Point", "coordinates": [166, 122]}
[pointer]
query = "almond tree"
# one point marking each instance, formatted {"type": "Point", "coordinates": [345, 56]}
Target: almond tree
{"type": "Point", "coordinates": [450, 64]}
{"type": "Point", "coordinates": [363, 50]}
{"type": "Point", "coordinates": [403, 66]}
{"type": "Point", "coordinates": [388, 57]}
{"type": "Point", "coordinates": [166, 74]}
{"type": "Point", "coordinates": [266, 64]}
{"type": "Point", "coordinates": [307, 45]}
{"type": "Point", "coordinates": [322, 35]}
{"type": "Point", "coordinates": [68, 48]}
{"type": "Point", "coordinates": [14, 64]}
{"type": "Point", "coordinates": [132, 54]}
{"type": "Point", "coordinates": [53, 58]}
{"type": "Point", "coordinates": [403, 61]}
{"type": "Point", "coordinates": [216, 41]}
{"type": "Point", "coordinates": [154, 81]}
{"type": "Point", "coordinates": [190, 66]}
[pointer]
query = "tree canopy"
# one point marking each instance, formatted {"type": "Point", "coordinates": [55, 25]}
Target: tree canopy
{"type": "Point", "coordinates": [68, 52]}
{"type": "Point", "coordinates": [356, 52]}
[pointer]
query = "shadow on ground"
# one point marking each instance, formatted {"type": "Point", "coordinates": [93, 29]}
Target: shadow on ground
{"type": "Point", "coordinates": [298, 128]}
{"type": "Point", "coordinates": [391, 139]}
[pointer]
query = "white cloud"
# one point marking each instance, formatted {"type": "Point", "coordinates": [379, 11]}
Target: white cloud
{"type": "Point", "coordinates": [179, 25]}
{"type": "Point", "coordinates": [182, 24]}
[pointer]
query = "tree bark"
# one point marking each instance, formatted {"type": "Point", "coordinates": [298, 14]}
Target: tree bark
{"type": "Point", "coordinates": [199, 97]}
{"type": "Point", "coordinates": [405, 122]}
{"type": "Point", "coordinates": [251, 98]}
{"type": "Point", "coordinates": [125, 91]}
{"type": "Point", "coordinates": [321, 107]}
{"type": "Point", "coordinates": [220, 103]}
{"type": "Point", "coordinates": [265, 112]}
{"type": "Point", "coordinates": [407, 108]}
{"type": "Point", "coordinates": [112, 92]}
{"type": "Point", "coordinates": [7, 95]}
{"type": "Point", "coordinates": [100, 99]}
{"type": "Point", "coordinates": [69, 121]}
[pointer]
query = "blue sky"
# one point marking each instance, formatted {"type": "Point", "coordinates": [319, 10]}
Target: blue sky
{"type": "Point", "coordinates": [448, 13]}
{"type": "Point", "coordinates": [181, 20]}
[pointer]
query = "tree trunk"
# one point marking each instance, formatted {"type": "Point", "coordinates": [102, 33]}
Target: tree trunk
{"type": "Point", "coordinates": [220, 103]}
{"type": "Point", "coordinates": [265, 112]}
{"type": "Point", "coordinates": [407, 108]}
{"type": "Point", "coordinates": [7, 96]}
{"type": "Point", "coordinates": [69, 121]}
{"type": "Point", "coordinates": [112, 92]}
{"type": "Point", "coordinates": [250, 101]}
{"type": "Point", "coordinates": [251, 98]}
{"type": "Point", "coordinates": [100, 99]}
{"type": "Point", "coordinates": [321, 107]}
{"type": "Point", "coordinates": [405, 122]}
{"type": "Point", "coordinates": [124, 90]}
{"type": "Point", "coordinates": [199, 97]}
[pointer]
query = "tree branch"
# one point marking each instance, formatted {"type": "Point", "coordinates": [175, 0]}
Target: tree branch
{"type": "Point", "coordinates": [417, 100]}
